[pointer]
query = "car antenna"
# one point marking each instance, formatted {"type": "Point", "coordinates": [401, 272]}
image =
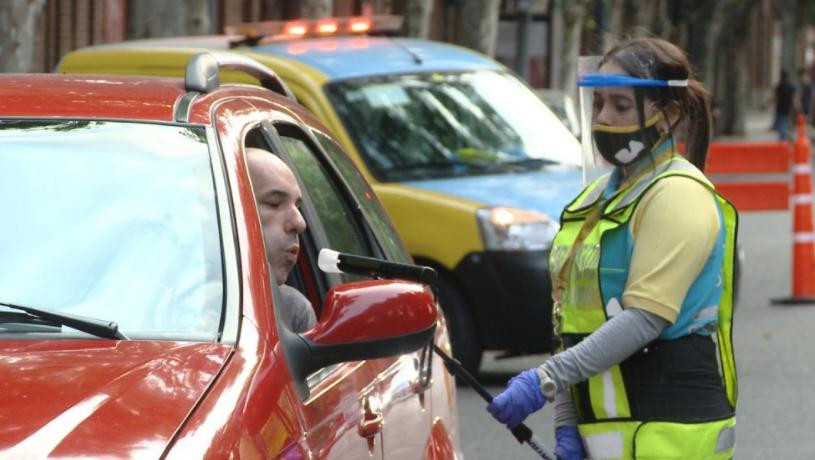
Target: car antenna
{"type": "Point", "coordinates": [416, 58]}
{"type": "Point", "coordinates": [246, 40]}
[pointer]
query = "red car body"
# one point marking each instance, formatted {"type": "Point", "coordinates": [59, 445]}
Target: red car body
{"type": "Point", "coordinates": [107, 398]}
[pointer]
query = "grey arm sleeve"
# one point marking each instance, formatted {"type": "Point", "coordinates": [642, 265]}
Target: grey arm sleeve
{"type": "Point", "coordinates": [299, 311]}
{"type": "Point", "coordinates": [565, 413]}
{"type": "Point", "coordinates": [614, 341]}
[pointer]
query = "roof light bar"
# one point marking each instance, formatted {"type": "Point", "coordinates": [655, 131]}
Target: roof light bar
{"type": "Point", "coordinates": [317, 27]}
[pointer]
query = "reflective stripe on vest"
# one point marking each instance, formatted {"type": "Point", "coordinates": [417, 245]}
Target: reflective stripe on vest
{"type": "Point", "coordinates": [658, 440]}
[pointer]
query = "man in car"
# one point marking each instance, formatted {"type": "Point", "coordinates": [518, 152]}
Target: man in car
{"type": "Point", "coordinates": [278, 200]}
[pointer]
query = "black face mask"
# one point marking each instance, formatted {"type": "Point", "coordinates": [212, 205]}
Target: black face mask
{"type": "Point", "coordinates": [625, 145]}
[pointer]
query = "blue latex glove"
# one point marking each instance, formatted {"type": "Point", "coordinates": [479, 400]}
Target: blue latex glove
{"type": "Point", "coordinates": [522, 397]}
{"type": "Point", "coordinates": [569, 444]}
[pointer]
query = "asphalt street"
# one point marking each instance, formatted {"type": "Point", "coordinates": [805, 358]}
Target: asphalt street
{"type": "Point", "coordinates": [774, 352]}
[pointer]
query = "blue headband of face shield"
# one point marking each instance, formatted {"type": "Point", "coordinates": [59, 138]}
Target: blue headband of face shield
{"type": "Point", "coordinates": [592, 80]}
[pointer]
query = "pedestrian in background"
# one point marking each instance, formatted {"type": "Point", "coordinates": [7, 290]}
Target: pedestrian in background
{"type": "Point", "coordinates": [784, 100]}
{"type": "Point", "coordinates": [642, 270]}
{"type": "Point", "coordinates": [805, 94]}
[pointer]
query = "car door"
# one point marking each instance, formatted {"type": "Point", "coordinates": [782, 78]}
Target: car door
{"type": "Point", "coordinates": [405, 385]}
{"type": "Point", "coordinates": [341, 417]}
{"type": "Point", "coordinates": [393, 398]}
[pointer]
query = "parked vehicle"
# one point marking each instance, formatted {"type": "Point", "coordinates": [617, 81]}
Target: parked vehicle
{"type": "Point", "coordinates": [138, 318]}
{"type": "Point", "coordinates": [473, 168]}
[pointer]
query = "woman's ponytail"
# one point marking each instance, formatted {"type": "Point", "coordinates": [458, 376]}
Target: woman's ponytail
{"type": "Point", "coordinates": [698, 123]}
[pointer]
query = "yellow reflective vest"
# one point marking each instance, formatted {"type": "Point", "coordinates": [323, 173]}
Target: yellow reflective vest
{"type": "Point", "coordinates": [610, 422]}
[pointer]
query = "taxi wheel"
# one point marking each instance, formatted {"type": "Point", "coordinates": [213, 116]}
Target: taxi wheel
{"type": "Point", "coordinates": [463, 333]}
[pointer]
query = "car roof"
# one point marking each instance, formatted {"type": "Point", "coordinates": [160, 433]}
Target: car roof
{"type": "Point", "coordinates": [89, 96]}
{"type": "Point", "coordinates": [351, 57]}
{"type": "Point", "coordinates": [121, 97]}
{"type": "Point", "coordinates": [342, 57]}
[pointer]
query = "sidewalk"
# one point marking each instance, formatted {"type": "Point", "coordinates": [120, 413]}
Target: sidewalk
{"type": "Point", "coordinates": [759, 128]}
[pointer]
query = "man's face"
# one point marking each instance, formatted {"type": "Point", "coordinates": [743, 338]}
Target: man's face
{"type": "Point", "coordinates": [278, 199]}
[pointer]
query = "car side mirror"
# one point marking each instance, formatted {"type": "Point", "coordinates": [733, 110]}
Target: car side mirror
{"type": "Point", "coordinates": [362, 320]}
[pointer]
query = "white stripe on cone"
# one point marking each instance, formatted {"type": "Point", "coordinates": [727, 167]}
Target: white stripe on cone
{"type": "Point", "coordinates": [803, 237]}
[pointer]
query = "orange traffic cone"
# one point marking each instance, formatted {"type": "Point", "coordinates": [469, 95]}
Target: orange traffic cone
{"type": "Point", "coordinates": [803, 236]}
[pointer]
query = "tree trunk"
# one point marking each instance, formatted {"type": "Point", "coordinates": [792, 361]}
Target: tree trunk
{"type": "Point", "coordinates": [703, 31]}
{"type": "Point", "coordinates": [786, 11]}
{"type": "Point", "coordinates": [573, 13]}
{"type": "Point", "coordinates": [17, 21]}
{"type": "Point", "coordinates": [200, 20]}
{"type": "Point", "coordinates": [627, 19]}
{"type": "Point", "coordinates": [656, 18]}
{"type": "Point", "coordinates": [417, 16]}
{"type": "Point", "coordinates": [156, 18]}
{"type": "Point", "coordinates": [317, 8]}
{"type": "Point", "coordinates": [477, 25]}
{"type": "Point", "coordinates": [733, 56]}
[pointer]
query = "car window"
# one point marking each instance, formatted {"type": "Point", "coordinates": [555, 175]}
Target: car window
{"type": "Point", "coordinates": [112, 220]}
{"type": "Point", "coordinates": [436, 125]}
{"type": "Point", "coordinates": [341, 229]}
{"type": "Point", "coordinates": [374, 212]}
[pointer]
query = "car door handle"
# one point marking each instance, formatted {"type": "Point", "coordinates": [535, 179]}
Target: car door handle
{"type": "Point", "coordinates": [372, 419]}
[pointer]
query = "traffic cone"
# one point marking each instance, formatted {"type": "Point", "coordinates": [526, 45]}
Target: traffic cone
{"type": "Point", "coordinates": [803, 236]}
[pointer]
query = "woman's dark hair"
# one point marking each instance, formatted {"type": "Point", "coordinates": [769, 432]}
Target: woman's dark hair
{"type": "Point", "coordinates": [661, 60]}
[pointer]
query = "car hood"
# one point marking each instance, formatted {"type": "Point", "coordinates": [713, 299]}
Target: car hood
{"type": "Point", "coordinates": [99, 398]}
{"type": "Point", "coordinates": [547, 190]}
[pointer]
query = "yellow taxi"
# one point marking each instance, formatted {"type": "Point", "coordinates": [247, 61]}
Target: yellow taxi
{"type": "Point", "coordinates": [471, 165]}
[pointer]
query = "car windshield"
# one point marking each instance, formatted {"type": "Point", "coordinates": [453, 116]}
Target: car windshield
{"type": "Point", "coordinates": [428, 126]}
{"type": "Point", "coordinates": [111, 220]}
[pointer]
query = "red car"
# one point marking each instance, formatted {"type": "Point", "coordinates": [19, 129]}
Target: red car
{"type": "Point", "coordinates": [137, 314]}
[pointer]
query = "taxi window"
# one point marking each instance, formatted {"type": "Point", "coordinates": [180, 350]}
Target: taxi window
{"type": "Point", "coordinates": [385, 232]}
{"type": "Point", "coordinates": [439, 125]}
{"type": "Point", "coordinates": [341, 230]}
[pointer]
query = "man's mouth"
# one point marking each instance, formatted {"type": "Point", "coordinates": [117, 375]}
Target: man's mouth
{"type": "Point", "coordinates": [292, 251]}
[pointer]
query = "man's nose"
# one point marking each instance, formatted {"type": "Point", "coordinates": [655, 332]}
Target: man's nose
{"type": "Point", "coordinates": [296, 222]}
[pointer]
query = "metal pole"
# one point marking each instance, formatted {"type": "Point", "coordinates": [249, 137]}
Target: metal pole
{"type": "Point", "coordinates": [521, 432]}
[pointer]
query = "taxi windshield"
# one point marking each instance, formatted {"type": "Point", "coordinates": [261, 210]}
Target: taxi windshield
{"type": "Point", "coordinates": [113, 220]}
{"type": "Point", "coordinates": [436, 125]}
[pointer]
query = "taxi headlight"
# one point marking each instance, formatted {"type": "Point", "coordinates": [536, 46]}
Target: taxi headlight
{"type": "Point", "coordinates": [514, 229]}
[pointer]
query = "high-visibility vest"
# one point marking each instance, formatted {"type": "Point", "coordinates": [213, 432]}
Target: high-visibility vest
{"type": "Point", "coordinates": [612, 431]}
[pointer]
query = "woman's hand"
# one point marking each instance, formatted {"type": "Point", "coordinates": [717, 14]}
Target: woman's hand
{"type": "Point", "coordinates": [522, 397]}
{"type": "Point", "coordinates": [569, 444]}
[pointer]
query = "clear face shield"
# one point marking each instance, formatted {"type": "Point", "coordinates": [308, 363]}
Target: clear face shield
{"type": "Point", "coordinates": [593, 165]}
{"type": "Point", "coordinates": [619, 125]}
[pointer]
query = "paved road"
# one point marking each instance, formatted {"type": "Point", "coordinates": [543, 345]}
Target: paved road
{"type": "Point", "coordinates": [774, 353]}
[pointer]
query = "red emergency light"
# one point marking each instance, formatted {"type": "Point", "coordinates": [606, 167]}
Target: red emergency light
{"type": "Point", "coordinates": [295, 28]}
{"type": "Point", "coordinates": [327, 26]}
{"type": "Point", "coordinates": [359, 25]}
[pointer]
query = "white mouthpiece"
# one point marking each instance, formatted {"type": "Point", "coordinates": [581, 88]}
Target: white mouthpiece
{"type": "Point", "coordinates": [328, 261]}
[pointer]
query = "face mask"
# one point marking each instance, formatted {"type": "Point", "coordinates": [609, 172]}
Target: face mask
{"type": "Point", "coordinates": [624, 145]}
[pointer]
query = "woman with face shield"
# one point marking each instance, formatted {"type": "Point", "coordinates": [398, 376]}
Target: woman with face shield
{"type": "Point", "coordinates": [642, 270]}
